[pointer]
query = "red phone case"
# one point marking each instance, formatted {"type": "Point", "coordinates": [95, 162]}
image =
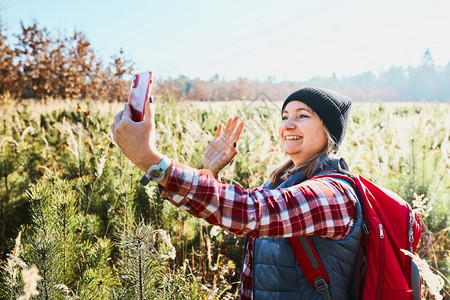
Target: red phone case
{"type": "Point", "coordinates": [139, 94]}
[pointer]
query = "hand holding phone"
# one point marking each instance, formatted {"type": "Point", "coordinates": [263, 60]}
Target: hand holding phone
{"type": "Point", "coordinates": [139, 94]}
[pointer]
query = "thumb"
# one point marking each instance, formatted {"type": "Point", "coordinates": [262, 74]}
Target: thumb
{"type": "Point", "coordinates": [127, 111]}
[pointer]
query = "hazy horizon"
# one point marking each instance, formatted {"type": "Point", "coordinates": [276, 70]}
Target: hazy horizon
{"type": "Point", "coordinates": [286, 40]}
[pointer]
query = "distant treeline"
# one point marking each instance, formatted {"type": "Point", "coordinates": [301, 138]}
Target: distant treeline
{"type": "Point", "coordinates": [425, 82]}
{"type": "Point", "coordinates": [40, 66]}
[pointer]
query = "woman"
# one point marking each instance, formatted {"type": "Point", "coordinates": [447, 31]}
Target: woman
{"type": "Point", "coordinates": [313, 125]}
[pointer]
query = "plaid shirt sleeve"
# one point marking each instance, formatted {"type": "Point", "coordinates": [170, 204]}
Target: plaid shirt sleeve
{"type": "Point", "coordinates": [324, 207]}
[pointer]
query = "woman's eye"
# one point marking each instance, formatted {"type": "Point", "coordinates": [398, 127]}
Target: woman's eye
{"type": "Point", "coordinates": [299, 117]}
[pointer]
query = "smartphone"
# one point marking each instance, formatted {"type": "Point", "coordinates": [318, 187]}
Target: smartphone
{"type": "Point", "coordinates": [140, 90]}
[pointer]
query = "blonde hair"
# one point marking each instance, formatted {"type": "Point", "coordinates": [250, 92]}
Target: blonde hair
{"type": "Point", "coordinates": [282, 172]}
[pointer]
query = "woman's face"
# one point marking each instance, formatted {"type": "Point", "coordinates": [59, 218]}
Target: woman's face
{"type": "Point", "coordinates": [301, 131]}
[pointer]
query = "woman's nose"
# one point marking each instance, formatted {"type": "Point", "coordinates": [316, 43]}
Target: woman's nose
{"type": "Point", "coordinates": [289, 124]}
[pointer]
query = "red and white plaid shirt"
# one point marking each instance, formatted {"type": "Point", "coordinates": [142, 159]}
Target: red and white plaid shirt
{"type": "Point", "coordinates": [323, 207]}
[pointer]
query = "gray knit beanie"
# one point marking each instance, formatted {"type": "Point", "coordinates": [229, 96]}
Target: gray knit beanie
{"type": "Point", "coordinates": [332, 107]}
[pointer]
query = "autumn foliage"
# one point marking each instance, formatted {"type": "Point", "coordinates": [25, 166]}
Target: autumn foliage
{"type": "Point", "coordinates": [40, 67]}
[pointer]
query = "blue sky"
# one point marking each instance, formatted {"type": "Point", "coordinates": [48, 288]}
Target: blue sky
{"type": "Point", "coordinates": [288, 40]}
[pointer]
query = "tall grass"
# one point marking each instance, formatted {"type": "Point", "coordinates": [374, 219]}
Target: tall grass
{"type": "Point", "coordinates": [93, 232]}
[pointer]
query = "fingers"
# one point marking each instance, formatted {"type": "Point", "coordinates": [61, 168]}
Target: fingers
{"type": "Point", "coordinates": [229, 127]}
{"type": "Point", "coordinates": [117, 120]}
{"type": "Point", "coordinates": [126, 111]}
{"type": "Point", "coordinates": [149, 112]}
{"type": "Point", "coordinates": [230, 135]}
{"type": "Point", "coordinates": [231, 124]}
{"type": "Point", "coordinates": [233, 129]}
{"type": "Point", "coordinates": [219, 131]}
{"type": "Point", "coordinates": [228, 124]}
{"type": "Point", "coordinates": [237, 133]}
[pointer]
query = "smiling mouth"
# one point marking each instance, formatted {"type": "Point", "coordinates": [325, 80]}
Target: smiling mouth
{"type": "Point", "coordinates": [292, 138]}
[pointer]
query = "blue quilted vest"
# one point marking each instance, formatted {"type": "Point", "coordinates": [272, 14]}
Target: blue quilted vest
{"type": "Point", "coordinates": [277, 275]}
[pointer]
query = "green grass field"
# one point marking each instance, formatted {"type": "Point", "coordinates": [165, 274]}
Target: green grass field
{"type": "Point", "coordinates": [72, 206]}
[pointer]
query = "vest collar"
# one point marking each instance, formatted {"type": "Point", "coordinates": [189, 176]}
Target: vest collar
{"type": "Point", "coordinates": [299, 176]}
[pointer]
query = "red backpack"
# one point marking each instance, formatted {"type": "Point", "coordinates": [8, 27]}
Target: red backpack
{"type": "Point", "coordinates": [389, 225]}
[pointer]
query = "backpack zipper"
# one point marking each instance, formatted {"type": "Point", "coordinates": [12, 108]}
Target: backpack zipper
{"type": "Point", "coordinates": [381, 269]}
{"type": "Point", "coordinates": [364, 226]}
{"type": "Point", "coordinates": [410, 232]}
{"type": "Point", "coordinates": [380, 228]}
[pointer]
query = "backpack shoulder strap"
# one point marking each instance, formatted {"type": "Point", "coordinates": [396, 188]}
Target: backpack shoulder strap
{"type": "Point", "coordinates": [304, 250]}
{"type": "Point", "coordinates": [340, 165]}
{"type": "Point", "coordinates": [310, 263]}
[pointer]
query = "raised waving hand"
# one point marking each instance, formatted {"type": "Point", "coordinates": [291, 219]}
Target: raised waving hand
{"type": "Point", "coordinates": [222, 148]}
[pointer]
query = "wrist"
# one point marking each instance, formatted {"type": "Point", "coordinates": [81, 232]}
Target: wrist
{"type": "Point", "coordinates": [211, 173]}
{"type": "Point", "coordinates": [149, 160]}
{"type": "Point", "coordinates": [157, 172]}
{"type": "Point", "coordinates": [214, 173]}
